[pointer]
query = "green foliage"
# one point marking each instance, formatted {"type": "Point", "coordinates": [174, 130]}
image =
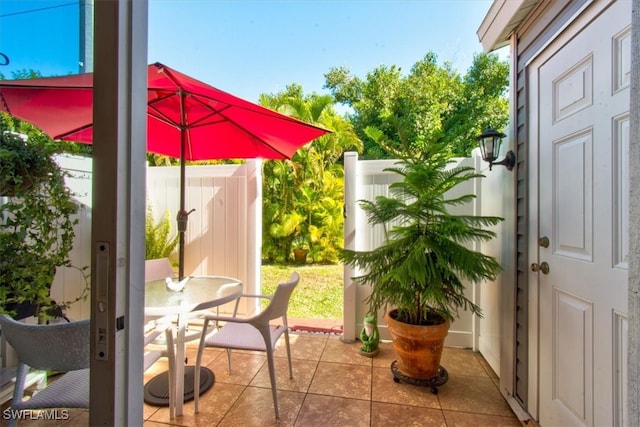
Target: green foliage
{"type": "Point", "coordinates": [431, 103]}
{"type": "Point", "coordinates": [303, 197]}
{"type": "Point", "coordinates": [23, 74]}
{"type": "Point", "coordinates": [421, 266]}
{"type": "Point", "coordinates": [37, 221]}
{"type": "Point", "coordinates": [159, 243]}
{"type": "Point", "coordinates": [22, 165]}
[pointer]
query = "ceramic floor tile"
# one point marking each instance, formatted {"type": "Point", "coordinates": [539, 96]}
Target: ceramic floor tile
{"type": "Point", "coordinates": [148, 411]}
{"type": "Point", "coordinates": [338, 351]}
{"type": "Point", "coordinates": [342, 388]}
{"type": "Point", "coordinates": [340, 379]}
{"type": "Point", "coordinates": [214, 404]}
{"type": "Point", "coordinates": [466, 419]}
{"type": "Point", "coordinates": [244, 366]}
{"type": "Point", "coordinates": [303, 372]}
{"type": "Point", "coordinates": [385, 356]}
{"type": "Point", "coordinates": [473, 394]}
{"type": "Point", "coordinates": [160, 366]}
{"type": "Point", "coordinates": [208, 355]}
{"type": "Point", "coordinates": [77, 418]}
{"type": "Point", "coordinates": [496, 381]}
{"type": "Point", "coordinates": [387, 414]}
{"type": "Point", "coordinates": [323, 411]}
{"type": "Point", "coordinates": [255, 408]}
{"type": "Point", "coordinates": [488, 369]}
{"type": "Point", "coordinates": [154, 424]}
{"type": "Point", "coordinates": [385, 389]}
{"type": "Point", "coordinates": [307, 347]}
{"type": "Point", "coordinates": [460, 361]}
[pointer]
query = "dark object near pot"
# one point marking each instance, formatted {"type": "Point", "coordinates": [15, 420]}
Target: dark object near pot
{"type": "Point", "coordinates": [300, 255]}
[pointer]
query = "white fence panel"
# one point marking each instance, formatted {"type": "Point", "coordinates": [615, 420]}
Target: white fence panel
{"type": "Point", "coordinates": [223, 235]}
{"type": "Point", "coordinates": [69, 283]}
{"type": "Point", "coordinates": [365, 180]}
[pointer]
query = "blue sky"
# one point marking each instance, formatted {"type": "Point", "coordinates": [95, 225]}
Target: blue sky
{"type": "Point", "coordinates": [40, 35]}
{"type": "Point", "coordinates": [252, 47]}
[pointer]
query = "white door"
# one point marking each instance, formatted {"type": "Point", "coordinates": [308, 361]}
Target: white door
{"type": "Point", "coordinates": [582, 130]}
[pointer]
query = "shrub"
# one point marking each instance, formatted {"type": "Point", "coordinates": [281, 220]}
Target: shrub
{"type": "Point", "coordinates": [159, 242]}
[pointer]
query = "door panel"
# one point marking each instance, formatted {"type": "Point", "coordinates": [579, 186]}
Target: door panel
{"type": "Point", "coordinates": [572, 198]}
{"type": "Point", "coordinates": [621, 134]}
{"type": "Point", "coordinates": [572, 334]}
{"type": "Point", "coordinates": [582, 135]}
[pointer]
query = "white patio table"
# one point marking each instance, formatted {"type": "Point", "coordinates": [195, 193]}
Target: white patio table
{"type": "Point", "coordinates": [199, 293]}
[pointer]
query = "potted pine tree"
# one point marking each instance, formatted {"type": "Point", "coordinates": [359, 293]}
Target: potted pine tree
{"type": "Point", "coordinates": [418, 273]}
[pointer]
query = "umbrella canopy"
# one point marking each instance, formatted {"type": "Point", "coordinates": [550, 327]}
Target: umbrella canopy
{"type": "Point", "coordinates": [186, 119]}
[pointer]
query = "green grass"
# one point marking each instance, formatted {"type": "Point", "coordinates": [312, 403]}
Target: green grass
{"type": "Point", "coordinates": [317, 296]}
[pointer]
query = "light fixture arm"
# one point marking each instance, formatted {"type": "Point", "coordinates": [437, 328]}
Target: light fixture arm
{"type": "Point", "coordinates": [508, 162]}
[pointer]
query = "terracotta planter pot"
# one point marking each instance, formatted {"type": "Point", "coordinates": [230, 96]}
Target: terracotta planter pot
{"type": "Point", "coordinates": [418, 348]}
{"type": "Point", "coordinates": [300, 255]}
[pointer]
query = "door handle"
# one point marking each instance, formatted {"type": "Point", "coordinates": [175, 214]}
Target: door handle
{"type": "Point", "coordinates": [543, 267]}
{"type": "Point", "coordinates": [543, 241]}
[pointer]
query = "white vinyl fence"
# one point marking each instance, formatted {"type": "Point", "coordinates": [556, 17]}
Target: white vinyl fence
{"type": "Point", "coordinates": [224, 232]}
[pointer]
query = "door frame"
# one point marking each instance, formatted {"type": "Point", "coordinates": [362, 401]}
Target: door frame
{"type": "Point", "coordinates": [578, 22]}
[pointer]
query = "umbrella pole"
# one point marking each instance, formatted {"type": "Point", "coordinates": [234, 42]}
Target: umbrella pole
{"type": "Point", "coordinates": [183, 215]}
{"type": "Point", "coordinates": [183, 218]}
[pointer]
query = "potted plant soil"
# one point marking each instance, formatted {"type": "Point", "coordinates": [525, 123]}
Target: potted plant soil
{"type": "Point", "coordinates": [418, 273]}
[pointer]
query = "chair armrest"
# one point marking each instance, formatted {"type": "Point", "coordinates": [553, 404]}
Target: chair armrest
{"type": "Point", "coordinates": [212, 317]}
{"type": "Point", "coordinates": [269, 297]}
{"type": "Point", "coordinates": [225, 318]}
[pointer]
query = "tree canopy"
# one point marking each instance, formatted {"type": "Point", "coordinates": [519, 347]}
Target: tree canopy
{"type": "Point", "coordinates": [432, 103]}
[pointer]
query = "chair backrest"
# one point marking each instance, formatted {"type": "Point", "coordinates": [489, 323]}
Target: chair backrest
{"type": "Point", "coordinates": [280, 301]}
{"type": "Point", "coordinates": [157, 269]}
{"type": "Point", "coordinates": [57, 347]}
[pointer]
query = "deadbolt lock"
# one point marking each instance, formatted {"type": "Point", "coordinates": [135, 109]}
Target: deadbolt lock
{"type": "Point", "coordinates": [543, 242]}
{"type": "Point", "coordinates": [543, 267]}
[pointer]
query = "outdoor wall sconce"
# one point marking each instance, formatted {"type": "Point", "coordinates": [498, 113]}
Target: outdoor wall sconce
{"type": "Point", "coordinates": [489, 142]}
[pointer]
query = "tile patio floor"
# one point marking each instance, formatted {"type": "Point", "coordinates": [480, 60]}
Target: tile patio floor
{"type": "Point", "coordinates": [333, 386]}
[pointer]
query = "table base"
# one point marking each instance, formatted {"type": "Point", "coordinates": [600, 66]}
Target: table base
{"type": "Point", "coordinates": [156, 390]}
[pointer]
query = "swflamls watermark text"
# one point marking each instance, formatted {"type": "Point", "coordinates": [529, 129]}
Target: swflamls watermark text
{"type": "Point", "coordinates": [31, 414]}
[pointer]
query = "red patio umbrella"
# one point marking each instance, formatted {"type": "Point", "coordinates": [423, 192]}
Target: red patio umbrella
{"type": "Point", "coordinates": [186, 119]}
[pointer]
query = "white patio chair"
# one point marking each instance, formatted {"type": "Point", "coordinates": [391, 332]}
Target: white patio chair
{"type": "Point", "coordinates": [254, 333]}
{"type": "Point", "coordinates": [157, 269]}
{"type": "Point", "coordinates": [62, 347]}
